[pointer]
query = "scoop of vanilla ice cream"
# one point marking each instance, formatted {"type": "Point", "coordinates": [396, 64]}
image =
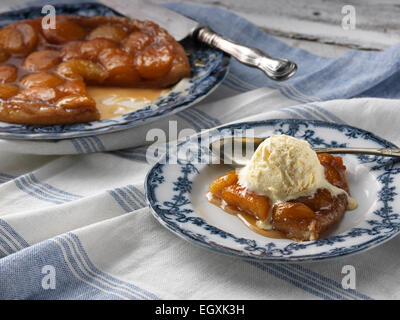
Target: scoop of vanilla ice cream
{"type": "Point", "coordinates": [283, 168]}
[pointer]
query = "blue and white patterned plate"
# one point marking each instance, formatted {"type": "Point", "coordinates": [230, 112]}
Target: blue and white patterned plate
{"type": "Point", "coordinates": [208, 68]}
{"type": "Point", "coordinates": [176, 195]}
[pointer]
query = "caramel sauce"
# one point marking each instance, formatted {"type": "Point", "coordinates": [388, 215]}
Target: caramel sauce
{"type": "Point", "coordinates": [114, 101]}
{"type": "Point", "coordinates": [248, 220]}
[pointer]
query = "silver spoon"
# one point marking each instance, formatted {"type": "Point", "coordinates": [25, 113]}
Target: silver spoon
{"type": "Point", "coordinates": [237, 151]}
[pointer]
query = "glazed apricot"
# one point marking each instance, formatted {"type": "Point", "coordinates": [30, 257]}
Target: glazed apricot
{"type": "Point", "coordinates": [136, 41]}
{"type": "Point", "coordinates": [41, 79]}
{"type": "Point", "coordinates": [72, 50]}
{"type": "Point", "coordinates": [110, 32]}
{"type": "Point", "coordinates": [4, 55]}
{"type": "Point", "coordinates": [92, 48]}
{"type": "Point", "coordinates": [8, 73]}
{"type": "Point", "coordinates": [119, 66]}
{"type": "Point", "coordinates": [38, 94]}
{"type": "Point", "coordinates": [237, 196]}
{"type": "Point", "coordinates": [292, 210]}
{"type": "Point", "coordinates": [76, 101]}
{"type": "Point", "coordinates": [82, 69]}
{"type": "Point", "coordinates": [8, 90]}
{"type": "Point", "coordinates": [334, 170]}
{"type": "Point", "coordinates": [154, 63]}
{"type": "Point", "coordinates": [64, 32]}
{"type": "Point", "coordinates": [29, 36]}
{"type": "Point", "coordinates": [11, 39]}
{"type": "Point", "coordinates": [327, 158]}
{"type": "Point", "coordinates": [18, 38]}
{"type": "Point", "coordinates": [73, 87]}
{"type": "Point", "coordinates": [41, 60]}
{"type": "Point", "coordinates": [295, 220]}
{"type": "Point", "coordinates": [217, 185]}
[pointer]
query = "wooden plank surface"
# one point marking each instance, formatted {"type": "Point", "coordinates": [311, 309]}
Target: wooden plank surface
{"type": "Point", "coordinates": [377, 22]}
{"type": "Point", "coordinates": [314, 25]}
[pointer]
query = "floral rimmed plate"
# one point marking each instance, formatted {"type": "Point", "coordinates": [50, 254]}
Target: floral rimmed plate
{"type": "Point", "coordinates": [177, 184]}
{"type": "Point", "coordinates": [208, 68]}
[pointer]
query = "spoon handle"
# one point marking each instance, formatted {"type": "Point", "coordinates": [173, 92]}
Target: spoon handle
{"type": "Point", "coordinates": [372, 151]}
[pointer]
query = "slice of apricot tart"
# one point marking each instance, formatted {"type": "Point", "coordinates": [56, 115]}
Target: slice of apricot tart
{"type": "Point", "coordinates": [301, 219]}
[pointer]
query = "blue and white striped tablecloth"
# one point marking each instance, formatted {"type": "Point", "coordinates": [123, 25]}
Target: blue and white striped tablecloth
{"type": "Point", "coordinates": [76, 207]}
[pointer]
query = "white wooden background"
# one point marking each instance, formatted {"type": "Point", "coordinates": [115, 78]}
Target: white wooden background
{"type": "Point", "coordinates": [314, 25]}
{"type": "Point", "coordinates": [310, 24]}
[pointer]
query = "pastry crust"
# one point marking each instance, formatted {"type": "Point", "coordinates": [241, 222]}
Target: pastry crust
{"type": "Point", "coordinates": [44, 72]}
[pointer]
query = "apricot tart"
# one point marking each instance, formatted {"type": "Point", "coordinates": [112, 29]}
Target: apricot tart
{"type": "Point", "coordinates": [44, 72]}
{"type": "Point", "coordinates": [300, 219]}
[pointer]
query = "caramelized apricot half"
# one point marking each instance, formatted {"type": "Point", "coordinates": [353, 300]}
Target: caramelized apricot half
{"type": "Point", "coordinates": [119, 65]}
{"type": "Point", "coordinates": [92, 48]}
{"type": "Point", "coordinates": [217, 185]}
{"type": "Point", "coordinates": [18, 38]}
{"type": "Point", "coordinates": [64, 32]}
{"type": "Point", "coordinates": [110, 32]}
{"type": "Point", "coordinates": [154, 63]}
{"type": "Point", "coordinates": [256, 205]}
{"type": "Point", "coordinates": [136, 41]}
{"type": "Point", "coordinates": [76, 101]}
{"type": "Point", "coordinates": [8, 73]}
{"type": "Point", "coordinates": [41, 79]}
{"type": "Point", "coordinates": [7, 91]}
{"type": "Point", "coordinates": [73, 87]}
{"type": "Point", "coordinates": [38, 94]}
{"type": "Point", "coordinates": [42, 60]}
{"type": "Point", "coordinates": [82, 69]}
{"type": "Point", "coordinates": [72, 50]}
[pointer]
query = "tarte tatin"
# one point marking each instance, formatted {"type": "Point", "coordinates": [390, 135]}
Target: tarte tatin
{"type": "Point", "coordinates": [44, 72]}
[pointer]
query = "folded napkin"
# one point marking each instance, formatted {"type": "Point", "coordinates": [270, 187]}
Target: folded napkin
{"type": "Point", "coordinates": [80, 212]}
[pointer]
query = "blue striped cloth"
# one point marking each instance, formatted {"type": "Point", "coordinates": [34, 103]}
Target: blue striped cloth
{"type": "Point", "coordinates": [76, 210]}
